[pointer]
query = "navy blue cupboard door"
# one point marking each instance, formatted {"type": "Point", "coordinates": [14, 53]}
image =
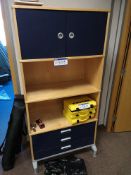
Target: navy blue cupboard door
{"type": "Point", "coordinates": [86, 33]}
{"type": "Point", "coordinates": [41, 33]}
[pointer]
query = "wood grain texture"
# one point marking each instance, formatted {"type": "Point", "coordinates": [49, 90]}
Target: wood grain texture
{"type": "Point", "coordinates": [95, 132]}
{"type": "Point", "coordinates": [69, 58]}
{"type": "Point", "coordinates": [96, 97]}
{"type": "Point", "coordinates": [41, 73]}
{"type": "Point", "coordinates": [55, 8]}
{"type": "Point", "coordinates": [31, 148]}
{"type": "Point", "coordinates": [16, 34]}
{"type": "Point", "coordinates": [28, 127]}
{"type": "Point", "coordinates": [44, 81]}
{"type": "Point", "coordinates": [119, 63]}
{"type": "Point", "coordinates": [107, 33]}
{"type": "Point", "coordinates": [23, 80]}
{"type": "Point", "coordinates": [51, 113]}
{"type": "Point", "coordinates": [123, 114]}
{"type": "Point", "coordinates": [93, 72]}
{"type": "Point", "coordinates": [59, 90]}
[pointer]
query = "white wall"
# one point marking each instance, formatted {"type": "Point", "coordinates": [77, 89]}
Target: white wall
{"type": "Point", "coordinates": [2, 32]}
{"type": "Point", "coordinates": [91, 4]}
{"type": "Point", "coordinates": [6, 13]}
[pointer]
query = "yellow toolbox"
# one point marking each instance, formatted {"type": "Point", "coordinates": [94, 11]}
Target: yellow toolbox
{"type": "Point", "coordinates": [79, 109]}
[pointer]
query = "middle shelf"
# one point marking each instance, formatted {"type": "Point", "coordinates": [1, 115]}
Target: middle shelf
{"type": "Point", "coordinates": [59, 90]}
{"type": "Point", "coordinates": [44, 81]}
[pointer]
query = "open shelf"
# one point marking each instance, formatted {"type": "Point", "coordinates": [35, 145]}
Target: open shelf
{"type": "Point", "coordinates": [59, 90]}
{"type": "Point", "coordinates": [50, 113]}
{"type": "Point", "coordinates": [44, 81]}
{"type": "Point", "coordinates": [50, 123]}
{"type": "Point", "coordinates": [52, 59]}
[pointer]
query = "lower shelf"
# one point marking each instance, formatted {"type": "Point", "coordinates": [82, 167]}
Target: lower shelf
{"type": "Point", "coordinates": [54, 123]}
{"type": "Point", "coordinates": [51, 113]}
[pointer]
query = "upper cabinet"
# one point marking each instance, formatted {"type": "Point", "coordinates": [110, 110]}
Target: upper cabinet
{"type": "Point", "coordinates": [51, 33]}
{"type": "Point", "coordinates": [41, 33]}
{"type": "Point", "coordinates": [86, 33]}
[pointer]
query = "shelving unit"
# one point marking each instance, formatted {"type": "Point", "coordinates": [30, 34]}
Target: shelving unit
{"type": "Point", "coordinates": [46, 86]}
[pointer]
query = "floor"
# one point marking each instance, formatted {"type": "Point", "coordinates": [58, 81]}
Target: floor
{"type": "Point", "coordinates": [5, 109]}
{"type": "Point", "coordinates": [113, 158]}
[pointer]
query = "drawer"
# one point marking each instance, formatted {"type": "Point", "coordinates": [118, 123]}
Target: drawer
{"type": "Point", "coordinates": [44, 141]}
{"type": "Point", "coordinates": [83, 130]}
{"type": "Point", "coordinates": [57, 137]}
{"type": "Point", "coordinates": [68, 146]}
{"type": "Point", "coordinates": [55, 142]}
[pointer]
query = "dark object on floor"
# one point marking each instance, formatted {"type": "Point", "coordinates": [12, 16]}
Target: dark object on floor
{"type": "Point", "coordinates": [12, 143]}
{"type": "Point", "coordinates": [4, 78]}
{"type": "Point", "coordinates": [66, 166]}
{"type": "Point", "coordinates": [76, 167]}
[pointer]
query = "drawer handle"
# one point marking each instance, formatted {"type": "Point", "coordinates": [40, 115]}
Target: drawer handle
{"type": "Point", "coordinates": [60, 35]}
{"type": "Point", "coordinates": [66, 130]}
{"type": "Point", "coordinates": [66, 147]}
{"type": "Point", "coordinates": [65, 139]}
{"type": "Point", "coordinates": [71, 35]}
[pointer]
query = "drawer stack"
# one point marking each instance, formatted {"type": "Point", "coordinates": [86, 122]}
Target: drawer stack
{"type": "Point", "coordinates": [62, 140]}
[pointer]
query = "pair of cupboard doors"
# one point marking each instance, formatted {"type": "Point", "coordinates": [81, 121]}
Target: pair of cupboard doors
{"type": "Point", "coordinates": [53, 33]}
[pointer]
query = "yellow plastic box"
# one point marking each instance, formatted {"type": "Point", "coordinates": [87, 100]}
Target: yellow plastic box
{"type": "Point", "coordinates": [79, 109]}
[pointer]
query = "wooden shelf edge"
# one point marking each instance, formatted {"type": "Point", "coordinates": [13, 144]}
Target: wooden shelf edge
{"type": "Point", "coordinates": [51, 59]}
{"type": "Point", "coordinates": [59, 8]}
{"type": "Point", "coordinates": [42, 131]}
{"type": "Point", "coordinates": [55, 98]}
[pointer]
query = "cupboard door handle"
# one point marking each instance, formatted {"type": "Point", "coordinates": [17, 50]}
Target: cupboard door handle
{"type": "Point", "coordinates": [65, 139]}
{"type": "Point", "coordinates": [66, 147]}
{"type": "Point", "coordinates": [66, 130]}
{"type": "Point", "coordinates": [60, 35]}
{"type": "Point", "coordinates": [71, 35]}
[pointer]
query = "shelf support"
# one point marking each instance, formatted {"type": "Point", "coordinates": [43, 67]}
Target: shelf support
{"type": "Point", "coordinates": [94, 149]}
{"type": "Point", "coordinates": [35, 165]}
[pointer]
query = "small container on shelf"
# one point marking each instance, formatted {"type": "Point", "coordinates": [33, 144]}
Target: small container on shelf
{"type": "Point", "coordinates": [79, 109]}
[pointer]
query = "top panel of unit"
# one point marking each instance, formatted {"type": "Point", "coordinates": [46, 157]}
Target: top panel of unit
{"type": "Point", "coordinates": [58, 8]}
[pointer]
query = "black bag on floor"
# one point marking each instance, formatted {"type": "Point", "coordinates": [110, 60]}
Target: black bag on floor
{"type": "Point", "coordinates": [69, 165]}
{"type": "Point", "coordinates": [12, 143]}
{"type": "Point", "coordinates": [76, 166]}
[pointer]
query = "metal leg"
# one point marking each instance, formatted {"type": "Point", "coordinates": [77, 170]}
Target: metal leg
{"type": "Point", "coordinates": [35, 165]}
{"type": "Point", "coordinates": [94, 149]}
